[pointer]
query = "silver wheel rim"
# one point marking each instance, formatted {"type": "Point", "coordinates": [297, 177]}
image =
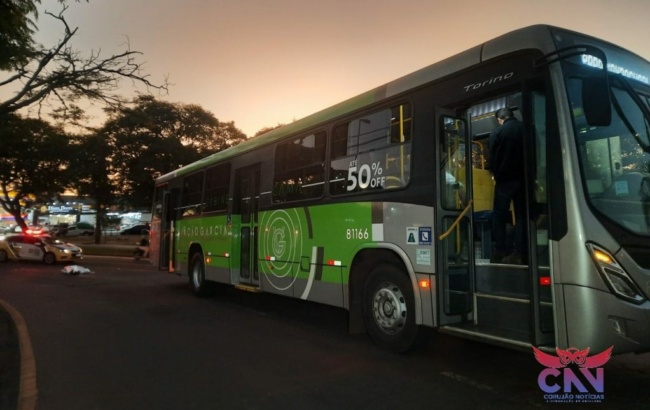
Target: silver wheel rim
{"type": "Point", "coordinates": [389, 308]}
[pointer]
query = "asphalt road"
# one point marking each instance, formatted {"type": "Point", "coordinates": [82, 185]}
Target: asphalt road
{"type": "Point", "coordinates": [129, 337]}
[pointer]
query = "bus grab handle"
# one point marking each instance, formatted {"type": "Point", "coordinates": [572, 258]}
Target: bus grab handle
{"type": "Point", "coordinates": [457, 221]}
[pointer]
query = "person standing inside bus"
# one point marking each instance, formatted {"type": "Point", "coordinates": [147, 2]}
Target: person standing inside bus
{"type": "Point", "coordinates": [507, 166]}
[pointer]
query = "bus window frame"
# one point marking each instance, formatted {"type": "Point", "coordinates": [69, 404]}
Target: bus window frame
{"type": "Point", "coordinates": [357, 116]}
{"type": "Point", "coordinates": [229, 189]}
{"type": "Point", "coordinates": [183, 207]}
{"type": "Point", "coordinates": [323, 164]}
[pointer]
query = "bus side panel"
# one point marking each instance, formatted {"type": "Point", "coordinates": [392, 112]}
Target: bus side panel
{"type": "Point", "coordinates": [210, 235]}
{"type": "Point", "coordinates": [411, 227]}
{"type": "Point", "coordinates": [154, 243]}
{"type": "Point", "coordinates": [307, 252]}
{"type": "Point", "coordinates": [282, 234]}
{"type": "Point", "coordinates": [341, 231]}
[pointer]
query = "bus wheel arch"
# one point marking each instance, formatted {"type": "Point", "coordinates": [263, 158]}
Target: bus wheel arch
{"type": "Point", "coordinates": [196, 272]}
{"type": "Point", "coordinates": [382, 299]}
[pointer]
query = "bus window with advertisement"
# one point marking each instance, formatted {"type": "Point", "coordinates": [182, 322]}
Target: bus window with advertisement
{"type": "Point", "coordinates": [383, 204]}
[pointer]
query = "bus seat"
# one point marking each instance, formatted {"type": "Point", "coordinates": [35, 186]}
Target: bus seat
{"type": "Point", "coordinates": [483, 190]}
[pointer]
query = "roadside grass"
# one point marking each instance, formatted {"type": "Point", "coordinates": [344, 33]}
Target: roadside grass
{"type": "Point", "coordinates": [108, 250]}
{"type": "Point", "coordinates": [110, 245]}
{"type": "Point", "coordinates": [103, 240]}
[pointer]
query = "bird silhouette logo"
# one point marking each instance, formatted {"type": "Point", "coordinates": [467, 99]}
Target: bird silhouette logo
{"type": "Point", "coordinates": [573, 355]}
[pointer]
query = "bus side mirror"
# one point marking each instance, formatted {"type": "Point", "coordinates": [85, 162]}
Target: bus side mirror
{"type": "Point", "coordinates": [596, 101]}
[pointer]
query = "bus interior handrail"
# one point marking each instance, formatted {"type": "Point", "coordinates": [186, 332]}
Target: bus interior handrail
{"type": "Point", "coordinates": [457, 221]}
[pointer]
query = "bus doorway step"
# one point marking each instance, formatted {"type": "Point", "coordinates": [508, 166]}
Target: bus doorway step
{"type": "Point", "coordinates": [248, 288]}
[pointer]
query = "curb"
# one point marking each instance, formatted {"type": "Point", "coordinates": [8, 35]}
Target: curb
{"type": "Point", "coordinates": [27, 390]}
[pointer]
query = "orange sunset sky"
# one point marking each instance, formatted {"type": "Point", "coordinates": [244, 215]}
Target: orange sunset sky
{"type": "Point", "coordinates": [263, 62]}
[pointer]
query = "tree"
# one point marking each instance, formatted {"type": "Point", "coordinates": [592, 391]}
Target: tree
{"type": "Point", "coordinates": [94, 173]}
{"type": "Point", "coordinates": [58, 77]}
{"type": "Point", "coordinates": [32, 167]}
{"type": "Point", "coordinates": [53, 78]}
{"type": "Point", "coordinates": [151, 138]}
{"type": "Point", "coordinates": [17, 27]}
{"type": "Point", "coordinates": [16, 31]}
{"type": "Point", "coordinates": [267, 129]}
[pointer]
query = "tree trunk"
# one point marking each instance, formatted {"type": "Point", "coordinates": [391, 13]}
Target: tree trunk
{"type": "Point", "coordinates": [99, 220]}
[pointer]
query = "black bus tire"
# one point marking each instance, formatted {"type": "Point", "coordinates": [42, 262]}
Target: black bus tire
{"type": "Point", "coordinates": [389, 309]}
{"type": "Point", "coordinates": [198, 284]}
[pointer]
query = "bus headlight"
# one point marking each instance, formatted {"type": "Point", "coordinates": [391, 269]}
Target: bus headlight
{"type": "Point", "coordinates": [617, 280]}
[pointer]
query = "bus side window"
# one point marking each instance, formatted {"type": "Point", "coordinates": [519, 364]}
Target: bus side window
{"type": "Point", "coordinates": [372, 152]}
{"type": "Point", "coordinates": [191, 201]}
{"type": "Point", "coordinates": [299, 168]}
{"type": "Point", "coordinates": [217, 188]}
{"type": "Point", "coordinates": [452, 172]}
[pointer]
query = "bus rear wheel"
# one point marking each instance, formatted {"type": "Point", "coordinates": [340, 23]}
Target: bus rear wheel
{"type": "Point", "coordinates": [199, 285]}
{"type": "Point", "coordinates": [389, 309]}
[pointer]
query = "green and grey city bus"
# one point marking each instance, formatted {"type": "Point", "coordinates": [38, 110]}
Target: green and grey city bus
{"type": "Point", "coordinates": [381, 204]}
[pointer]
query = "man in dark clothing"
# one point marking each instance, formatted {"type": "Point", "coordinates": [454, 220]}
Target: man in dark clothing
{"type": "Point", "coordinates": [507, 165]}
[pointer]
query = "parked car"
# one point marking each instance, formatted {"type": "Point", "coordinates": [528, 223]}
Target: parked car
{"type": "Point", "coordinates": [59, 229]}
{"type": "Point", "coordinates": [139, 229]}
{"type": "Point", "coordinates": [80, 229]}
{"type": "Point", "coordinates": [7, 229]}
{"type": "Point", "coordinates": [38, 248]}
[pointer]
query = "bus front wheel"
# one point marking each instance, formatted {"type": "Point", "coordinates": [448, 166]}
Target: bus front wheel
{"type": "Point", "coordinates": [199, 285]}
{"type": "Point", "coordinates": [389, 309]}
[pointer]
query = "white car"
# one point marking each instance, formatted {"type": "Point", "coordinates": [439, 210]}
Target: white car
{"type": "Point", "coordinates": [38, 248]}
{"type": "Point", "coordinates": [80, 229]}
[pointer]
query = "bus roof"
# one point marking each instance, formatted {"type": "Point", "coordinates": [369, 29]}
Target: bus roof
{"type": "Point", "coordinates": [532, 37]}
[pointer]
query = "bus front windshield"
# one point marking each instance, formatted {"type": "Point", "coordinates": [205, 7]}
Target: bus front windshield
{"type": "Point", "coordinates": [615, 160]}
